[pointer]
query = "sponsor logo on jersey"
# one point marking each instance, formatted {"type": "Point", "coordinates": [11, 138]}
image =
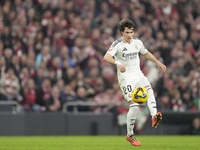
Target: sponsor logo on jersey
{"type": "Point", "coordinates": [110, 49]}
{"type": "Point", "coordinates": [124, 49]}
{"type": "Point", "coordinates": [130, 56]}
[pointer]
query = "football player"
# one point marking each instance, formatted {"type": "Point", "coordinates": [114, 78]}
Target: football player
{"type": "Point", "coordinates": [124, 52]}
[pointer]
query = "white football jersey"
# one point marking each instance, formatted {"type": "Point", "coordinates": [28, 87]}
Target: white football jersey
{"type": "Point", "coordinates": [128, 55]}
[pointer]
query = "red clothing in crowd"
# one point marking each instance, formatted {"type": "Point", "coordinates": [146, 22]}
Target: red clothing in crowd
{"type": "Point", "coordinates": [30, 96]}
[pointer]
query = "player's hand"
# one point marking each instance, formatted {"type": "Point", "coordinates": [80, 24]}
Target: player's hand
{"type": "Point", "coordinates": [121, 68]}
{"type": "Point", "coordinates": [161, 66]}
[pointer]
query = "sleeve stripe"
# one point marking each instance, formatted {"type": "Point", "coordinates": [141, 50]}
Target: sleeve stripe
{"type": "Point", "coordinates": [115, 43]}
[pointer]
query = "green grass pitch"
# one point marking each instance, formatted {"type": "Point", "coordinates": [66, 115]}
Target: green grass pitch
{"type": "Point", "coordinates": [98, 143]}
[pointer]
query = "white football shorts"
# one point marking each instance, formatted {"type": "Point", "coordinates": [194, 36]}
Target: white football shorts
{"type": "Point", "coordinates": [127, 86]}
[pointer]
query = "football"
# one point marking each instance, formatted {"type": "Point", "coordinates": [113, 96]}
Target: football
{"type": "Point", "coordinates": [140, 95]}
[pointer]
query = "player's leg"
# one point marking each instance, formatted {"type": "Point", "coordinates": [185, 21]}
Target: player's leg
{"type": "Point", "coordinates": [131, 117]}
{"type": "Point", "coordinates": [132, 113]}
{"type": "Point", "coordinates": [151, 102]}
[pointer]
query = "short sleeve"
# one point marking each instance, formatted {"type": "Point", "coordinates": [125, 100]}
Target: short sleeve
{"type": "Point", "coordinates": [112, 50]}
{"type": "Point", "coordinates": [143, 49]}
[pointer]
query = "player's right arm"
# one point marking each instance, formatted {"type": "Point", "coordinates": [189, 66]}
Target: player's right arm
{"type": "Point", "coordinates": [109, 59]}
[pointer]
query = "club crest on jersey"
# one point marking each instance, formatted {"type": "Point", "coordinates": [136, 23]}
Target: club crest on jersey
{"type": "Point", "coordinates": [136, 47]}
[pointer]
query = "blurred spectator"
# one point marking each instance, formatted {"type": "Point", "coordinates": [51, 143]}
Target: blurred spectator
{"type": "Point", "coordinates": [24, 77]}
{"type": "Point", "coordinates": [56, 66]}
{"type": "Point", "coordinates": [108, 74]}
{"type": "Point", "coordinates": [93, 74]}
{"type": "Point", "coordinates": [164, 102]}
{"type": "Point", "coordinates": [10, 85]}
{"type": "Point", "coordinates": [24, 60]}
{"type": "Point", "coordinates": [186, 95]}
{"type": "Point", "coordinates": [15, 63]}
{"type": "Point", "coordinates": [30, 98]}
{"type": "Point", "coordinates": [6, 37]}
{"type": "Point", "coordinates": [165, 50]}
{"type": "Point", "coordinates": [160, 86]}
{"type": "Point", "coordinates": [194, 75]}
{"type": "Point", "coordinates": [99, 86]}
{"type": "Point", "coordinates": [39, 77]}
{"type": "Point", "coordinates": [195, 128]}
{"type": "Point", "coordinates": [43, 56]}
{"type": "Point", "coordinates": [188, 101]}
{"type": "Point", "coordinates": [44, 91]}
{"type": "Point", "coordinates": [59, 20]}
{"type": "Point", "coordinates": [65, 66]}
{"type": "Point", "coordinates": [81, 98]}
{"type": "Point", "coordinates": [2, 66]}
{"type": "Point", "coordinates": [64, 55]}
{"type": "Point", "coordinates": [177, 103]}
{"type": "Point", "coordinates": [68, 95]}
{"type": "Point", "coordinates": [80, 78]}
{"type": "Point", "coordinates": [18, 48]}
{"type": "Point", "coordinates": [1, 48]}
{"type": "Point", "coordinates": [31, 66]}
{"type": "Point", "coordinates": [8, 53]}
{"type": "Point", "coordinates": [90, 91]}
{"type": "Point", "coordinates": [52, 76]}
{"type": "Point", "coordinates": [58, 41]}
{"type": "Point", "coordinates": [53, 103]}
{"type": "Point", "coordinates": [2, 96]}
{"type": "Point", "coordinates": [105, 99]}
{"type": "Point", "coordinates": [73, 84]}
{"type": "Point", "coordinates": [60, 84]}
{"type": "Point", "coordinates": [69, 75]}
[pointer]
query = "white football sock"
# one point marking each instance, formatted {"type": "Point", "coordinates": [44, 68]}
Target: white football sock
{"type": "Point", "coordinates": [151, 102]}
{"type": "Point", "coordinates": [131, 116]}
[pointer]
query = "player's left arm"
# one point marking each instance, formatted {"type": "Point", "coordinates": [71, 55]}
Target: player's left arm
{"type": "Point", "coordinates": [151, 57]}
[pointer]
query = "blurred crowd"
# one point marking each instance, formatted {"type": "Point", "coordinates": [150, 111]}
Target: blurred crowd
{"type": "Point", "coordinates": [51, 52]}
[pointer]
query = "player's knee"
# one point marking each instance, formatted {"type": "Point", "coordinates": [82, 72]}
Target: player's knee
{"type": "Point", "coordinates": [131, 102]}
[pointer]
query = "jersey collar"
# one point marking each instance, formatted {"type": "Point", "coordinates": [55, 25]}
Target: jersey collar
{"type": "Point", "coordinates": [125, 42]}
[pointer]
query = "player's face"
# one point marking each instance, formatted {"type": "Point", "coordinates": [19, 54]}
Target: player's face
{"type": "Point", "coordinates": [127, 35]}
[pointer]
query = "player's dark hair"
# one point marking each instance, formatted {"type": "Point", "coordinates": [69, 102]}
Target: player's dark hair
{"type": "Point", "coordinates": [125, 23]}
